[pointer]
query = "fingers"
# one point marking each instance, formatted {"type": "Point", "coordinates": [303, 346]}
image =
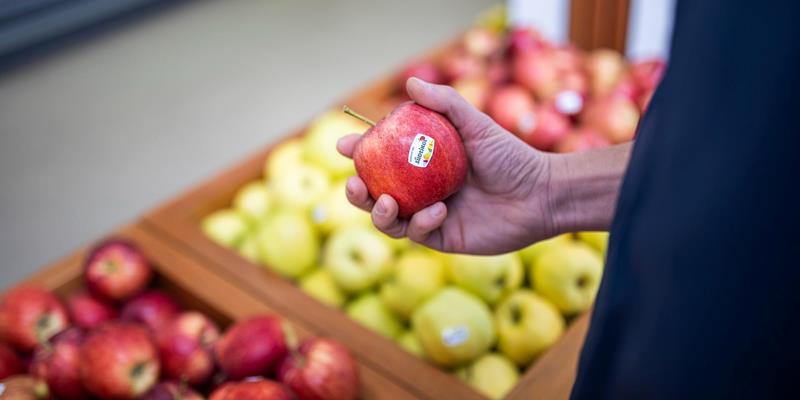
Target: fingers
{"type": "Point", "coordinates": [357, 193]}
{"type": "Point", "coordinates": [446, 100]}
{"type": "Point", "coordinates": [347, 144]}
{"type": "Point", "coordinates": [425, 222]}
{"type": "Point", "coordinates": [384, 216]}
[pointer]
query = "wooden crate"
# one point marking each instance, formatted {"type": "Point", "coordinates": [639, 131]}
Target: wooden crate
{"type": "Point", "coordinates": [197, 287]}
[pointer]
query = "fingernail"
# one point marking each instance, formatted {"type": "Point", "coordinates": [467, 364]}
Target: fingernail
{"type": "Point", "coordinates": [380, 207]}
{"type": "Point", "coordinates": [348, 187]}
{"type": "Point", "coordinates": [437, 210]}
{"type": "Point", "coordinates": [419, 82]}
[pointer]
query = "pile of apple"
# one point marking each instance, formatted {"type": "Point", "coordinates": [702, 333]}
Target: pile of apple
{"type": "Point", "coordinates": [484, 318]}
{"type": "Point", "coordinates": [554, 97]}
{"type": "Point", "coordinates": [122, 339]}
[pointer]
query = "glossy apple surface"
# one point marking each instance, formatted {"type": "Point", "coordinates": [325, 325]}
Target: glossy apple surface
{"type": "Point", "coordinates": [58, 364]}
{"type": "Point", "coordinates": [256, 389]}
{"type": "Point", "coordinates": [10, 364]}
{"type": "Point", "coordinates": [185, 348]}
{"type": "Point", "coordinates": [88, 311]}
{"type": "Point", "coordinates": [321, 369]}
{"type": "Point", "coordinates": [384, 157]}
{"type": "Point", "coordinates": [30, 315]}
{"type": "Point", "coordinates": [251, 347]}
{"type": "Point", "coordinates": [116, 270]}
{"type": "Point", "coordinates": [154, 308]}
{"type": "Point", "coordinates": [171, 391]}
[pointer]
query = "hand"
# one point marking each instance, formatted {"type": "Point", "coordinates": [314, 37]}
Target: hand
{"type": "Point", "coordinates": [504, 204]}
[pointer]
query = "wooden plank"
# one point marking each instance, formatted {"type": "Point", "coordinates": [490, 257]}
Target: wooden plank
{"type": "Point", "coordinates": [581, 23]}
{"type": "Point", "coordinates": [599, 24]}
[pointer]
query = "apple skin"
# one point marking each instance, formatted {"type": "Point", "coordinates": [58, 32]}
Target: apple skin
{"type": "Point", "coordinates": [30, 315]}
{"type": "Point", "coordinates": [454, 327]}
{"type": "Point", "coordinates": [493, 375]}
{"type": "Point", "coordinates": [153, 308]}
{"type": "Point", "coordinates": [416, 276]}
{"type": "Point", "coordinates": [549, 127]}
{"type": "Point", "coordinates": [488, 277]}
{"type": "Point", "coordinates": [334, 211]}
{"type": "Point", "coordinates": [605, 68]}
{"type": "Point", "coordinates": [58, 364]}
{"type": "Point", "coordinates": [531, 253]}
{"type": "Point", "coordinates": [458, 64]}
{"type": "Point", "coordinates": [648, 73]}
{"type": "Point", "coordinates": [409, 342]}
{"type": "Point", "coordinates": [171, 391]}
{"type": "Point", "coordinates": [371, 312]}
{"type": "Point", "coordinates": [288, 244]}
{"type": "Point", "coordinates": [425, 70]}
{"type": "Point", "coordinates": [320, 285]}
{"type": "Point", "coordinates": [538, 71]}
{"type": "Point", "coordinates": [300, 187]}
{"type": "Point", "coordinates": [252, 389]}
{"type": "Point", "coordinates": [119, 360]}
{"type": "Point", "coordinates": [251, 347]}
{"type": "Point", "coordinates": [596, 240]}
{"type": "Point", "coordinates": [481, 42]}
{"type": "Point", "coordinates": [23, 387]}
{"type": "Point", "coordinates": [319, 143]}
{"type": "Point", "coordinates": [283, 157]}
{"type": "Point", "coordinates": [321, 369]}
{"type": "Point", "coordinates": [513, 107]}
{"type": "Point", "coordinates": [527, 325]}
{"type": "Point", "coordinates": [615, 116]}
{"type": "Point", "coordinates": [358, 258]}
{"type": "Point", "coordinates": [381, 159]}
{"type": "Point", "coordinates": [185, 347]}
{"type": "Point", "coordinates": [474, 90]}
{"type": "Point", "coordinates": [568, 275]}
{"type": "Point", "coordinates": [227, 227]}
{"type": "Point", "coordinates": [88, 311]}
{"type": "Point", "coordinates": [581, 140]}
{"type": "Point", "coordinates": [116, 270]}
{"type": "Point", "coordinates": [10, 364]}
{"type": "Point", "coordinates": [253, 200]}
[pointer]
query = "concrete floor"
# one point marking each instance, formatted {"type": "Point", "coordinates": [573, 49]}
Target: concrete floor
{"type": "Point", "coordinates": [93, 136]}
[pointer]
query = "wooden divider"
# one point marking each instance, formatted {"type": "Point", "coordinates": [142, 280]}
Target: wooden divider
{"type": "Point", "coordinates": [599, 23]}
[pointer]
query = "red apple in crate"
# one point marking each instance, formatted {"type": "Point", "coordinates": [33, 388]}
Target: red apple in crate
{"type": "Point", "coordinates": [251, 347]}
{"type": "Point", "coordinates": [626, 88]}
{"type": "Point", "coordinates": [58, 362]}
{"type": "Point", "coordinates": [605, 68]}
{"type": "Point", "coordinates": [252, 389]}
{"type": "Point", "coordinates": [88, 311]}
{"type": "Point", "coordinates": [499, 71]}
{"type": "Point", "coordinates": [615, 116]}
{"type": "Point", "coordinates": [474, 90]}
{"type": "Point", "coordinates": [154, 308]}
{"type": "Point", "coordinates": [513, 108]}
{"type": "Point", "coordinates": [413, 154]}
{"type": "Point", "coordinates": [171, 391]}
{"type": "Point", "coordinates": [116, 270]}
{"type": "Point", "coordinates": [526, 39]}
{"type": "Point", "coordinates": [481, 42]}
{"type": "Point", "coordinates": [23, 387]}
{"type": "Point", "coordinates": [647, 74]}
{"type": "Point", "coordinates": [10, 364]}
{"type": "Point", "coordinates": [185, 348]}
{"type": "Point", "coordinates": [537, 71]}
{"type": "Point", "coordinates": [425, 70]}
{"type": "Point", "coordinates": [321, 369]}
{"type": "Point", "coordinates": [581, 140]}
{"type": "Point", "coordinates": [566, 58]}
{"type": "Point", "coordinates": [30, 315]}
{"type": "Point", "coordinates": [119, 360]}
{"type": "Point", "coordinates": [644, 100]}
{"type": "Point", "coordinates": [458, 64]}
{"type": "Point", "coordinates": [550, 127]}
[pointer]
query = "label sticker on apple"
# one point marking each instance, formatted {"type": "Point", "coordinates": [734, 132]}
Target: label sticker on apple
{"type": "Point", "coordinates": [455, 335]}
{"type": "Point", "coordinates": [421, 151]}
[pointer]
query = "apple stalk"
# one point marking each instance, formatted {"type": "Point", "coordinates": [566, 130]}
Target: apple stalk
{"type": "Point", "coordinates": [349, 111]}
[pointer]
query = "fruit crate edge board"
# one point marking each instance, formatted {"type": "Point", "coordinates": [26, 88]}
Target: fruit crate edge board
{"type": "Point", "coordinates": [196, 287]}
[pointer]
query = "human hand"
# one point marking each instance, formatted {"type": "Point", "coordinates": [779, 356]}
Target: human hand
{"type": "Point", "coordinates": [505, 203]}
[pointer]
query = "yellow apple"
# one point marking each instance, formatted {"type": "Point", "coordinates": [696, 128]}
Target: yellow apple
{"type": "Point", "coordinates": [527, 325]}
{"type": "Point", "coordinates": [530, 253]}
{"type": "Point", "coordinates": [493, 375]}
{"type": "Point", "coordinates": [300, 187]}
{"type": "Point", "coordinates": [357, 258]}
{"type": "Point", "coordinates": [416, 276]}
{"type": "Point", "coordinates": [288, 244]}
{"type": "Point", "coordinates": [596, 240]}
{"type": "Point", "coordinates": [248, 249]}
{"type": "Point", "coordinates": [283, 157]}
{"type": "Point", "coordinates": [227, 227]}
{"type": "Point", "coordinates": [370, 311]}
{"type": "Point", "coordinates": [319, 144]}
{"type": "Point", "coordinates": [488, 277]}
{"type": "Point", "coordinates": [409, 342]}
{"type": "Point", "coordinates": [568, 275]}
{"type": "Point", "coordinates": [319, 284]}
{"type": "Point", "coordinates": [253, 200]}
{"type": "Point", "coordinates": [334, 211]}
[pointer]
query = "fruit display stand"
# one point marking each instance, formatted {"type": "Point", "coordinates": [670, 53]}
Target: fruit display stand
{"type": "Point", "coordinates": [197, 287]}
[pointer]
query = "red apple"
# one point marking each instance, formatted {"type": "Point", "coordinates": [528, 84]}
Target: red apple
{"type": "Point", "coordinates": [615, 116]}
{"type": "Point", "coordinates": [498, 72]}
{"type": "Point", "coordinates": [118, 360]}
{"type": "Point", "coordinates": [185, 348]}
{"type": "Point", "coordinates": [251, 347]}
{"type": "Point", "coordinates": [321, 369]}
{"type": "Point", "coordinates": [30, 315]}
{"type": "Point", "coordinates": [458, 64]}
{"type": "Point", "coordinates": [481, 42]}
{"type": "Point", "coordinates": [413, 154]}
{"type": "Point", "coordinates": [625, 88]}
{"type": "Point", "coordinates": [474, 90]}
{"type": "Point", "coordinates": [171, 391]}
{"type": "Point", "coordinates": [10, 364]}
{"type": "Point", "coordinates": [253, 389]}
{"type": "Point", "coordinates": [526, 39]}
{"type": "Point", "coordinates": [580, 140]}
{"type": "Point", "coordinates": [644, 100]}
{"type": "Point", "coordinates": [605, 68]}
{"type": "Point", "coordinates": [116, 270]}
{"type": "Point", "coordinates": [647, 74]}
{"type": "Point", "coordinates": [88, 311]}
{"type": "Point", "coordinates": [23, 387]}
{"type": "Point", "coordinates": [58, 362]}
{"type": "Point", "coordinates": [566, 58]}
{"type": "Point", "coordinates": [513, 108]}
{"type": "Point", "coordinates": [549, 128]}
{"type": "Point", "coordinates": [425, 70]}
{"type": "Point", "coordinates": [154, 308]}
{"type": "Point", "coordinates": [539, 72]}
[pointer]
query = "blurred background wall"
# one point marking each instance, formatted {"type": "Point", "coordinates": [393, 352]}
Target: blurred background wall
{"type": "Point", "coordinates": [94, 133]}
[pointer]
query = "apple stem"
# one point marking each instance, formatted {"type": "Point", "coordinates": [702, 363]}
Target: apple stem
{"type": "Point", "coordinates": [349, 111]}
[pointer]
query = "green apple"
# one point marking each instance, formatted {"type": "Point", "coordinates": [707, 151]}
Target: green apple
{"type": "Point", "coordinates": [370, 311]}
{"type": "Point", "coordinates": [408, 341]}
{"type": "Point", "coordinates": [283, 157]}
{"type": "Point", "coordinates": [397, 245]}
{"type": "Point", "coordinates": [596, 240]}
{"type": "Point", "coordinates": [288, 244]}
{"type": "Point", "coordinates": [319, 144]}
{"type": "Point", "coordinates": [300, 187]}
{"type": "Point", "coordinates": [454, 327]}
{"type": "Point", "coordinates": [227, 227]}
{"type": "Point", "coordinates": [253, 200]}
{"type": "Point", "coordinates": [334, 211]}
{"type": "Point", "coordinates": [532, 252]}
{"type": "Point", "coordinates": [527, 324]}
{"type": "Point", "coordinates": [416, 276]}
{"type": "Point", "coordinates": [319, 284]}
{"type": "Point", "coordinates": [248, 249]}
{"type": "Point", "coordinates": [568, 275]}
{"type": "Point", "coordinates": [488, 277]}
{"type": "Point", "coordinates": [357, 258]}
{"type": "Point", "coordinates": [492, 375]}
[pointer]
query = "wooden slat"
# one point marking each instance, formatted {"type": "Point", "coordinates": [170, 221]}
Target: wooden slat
{"type": "Point", "coordinates": [599, 23]}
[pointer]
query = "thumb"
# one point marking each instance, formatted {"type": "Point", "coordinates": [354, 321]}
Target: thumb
{"type": "Point", "coordinates": [443, 99]}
